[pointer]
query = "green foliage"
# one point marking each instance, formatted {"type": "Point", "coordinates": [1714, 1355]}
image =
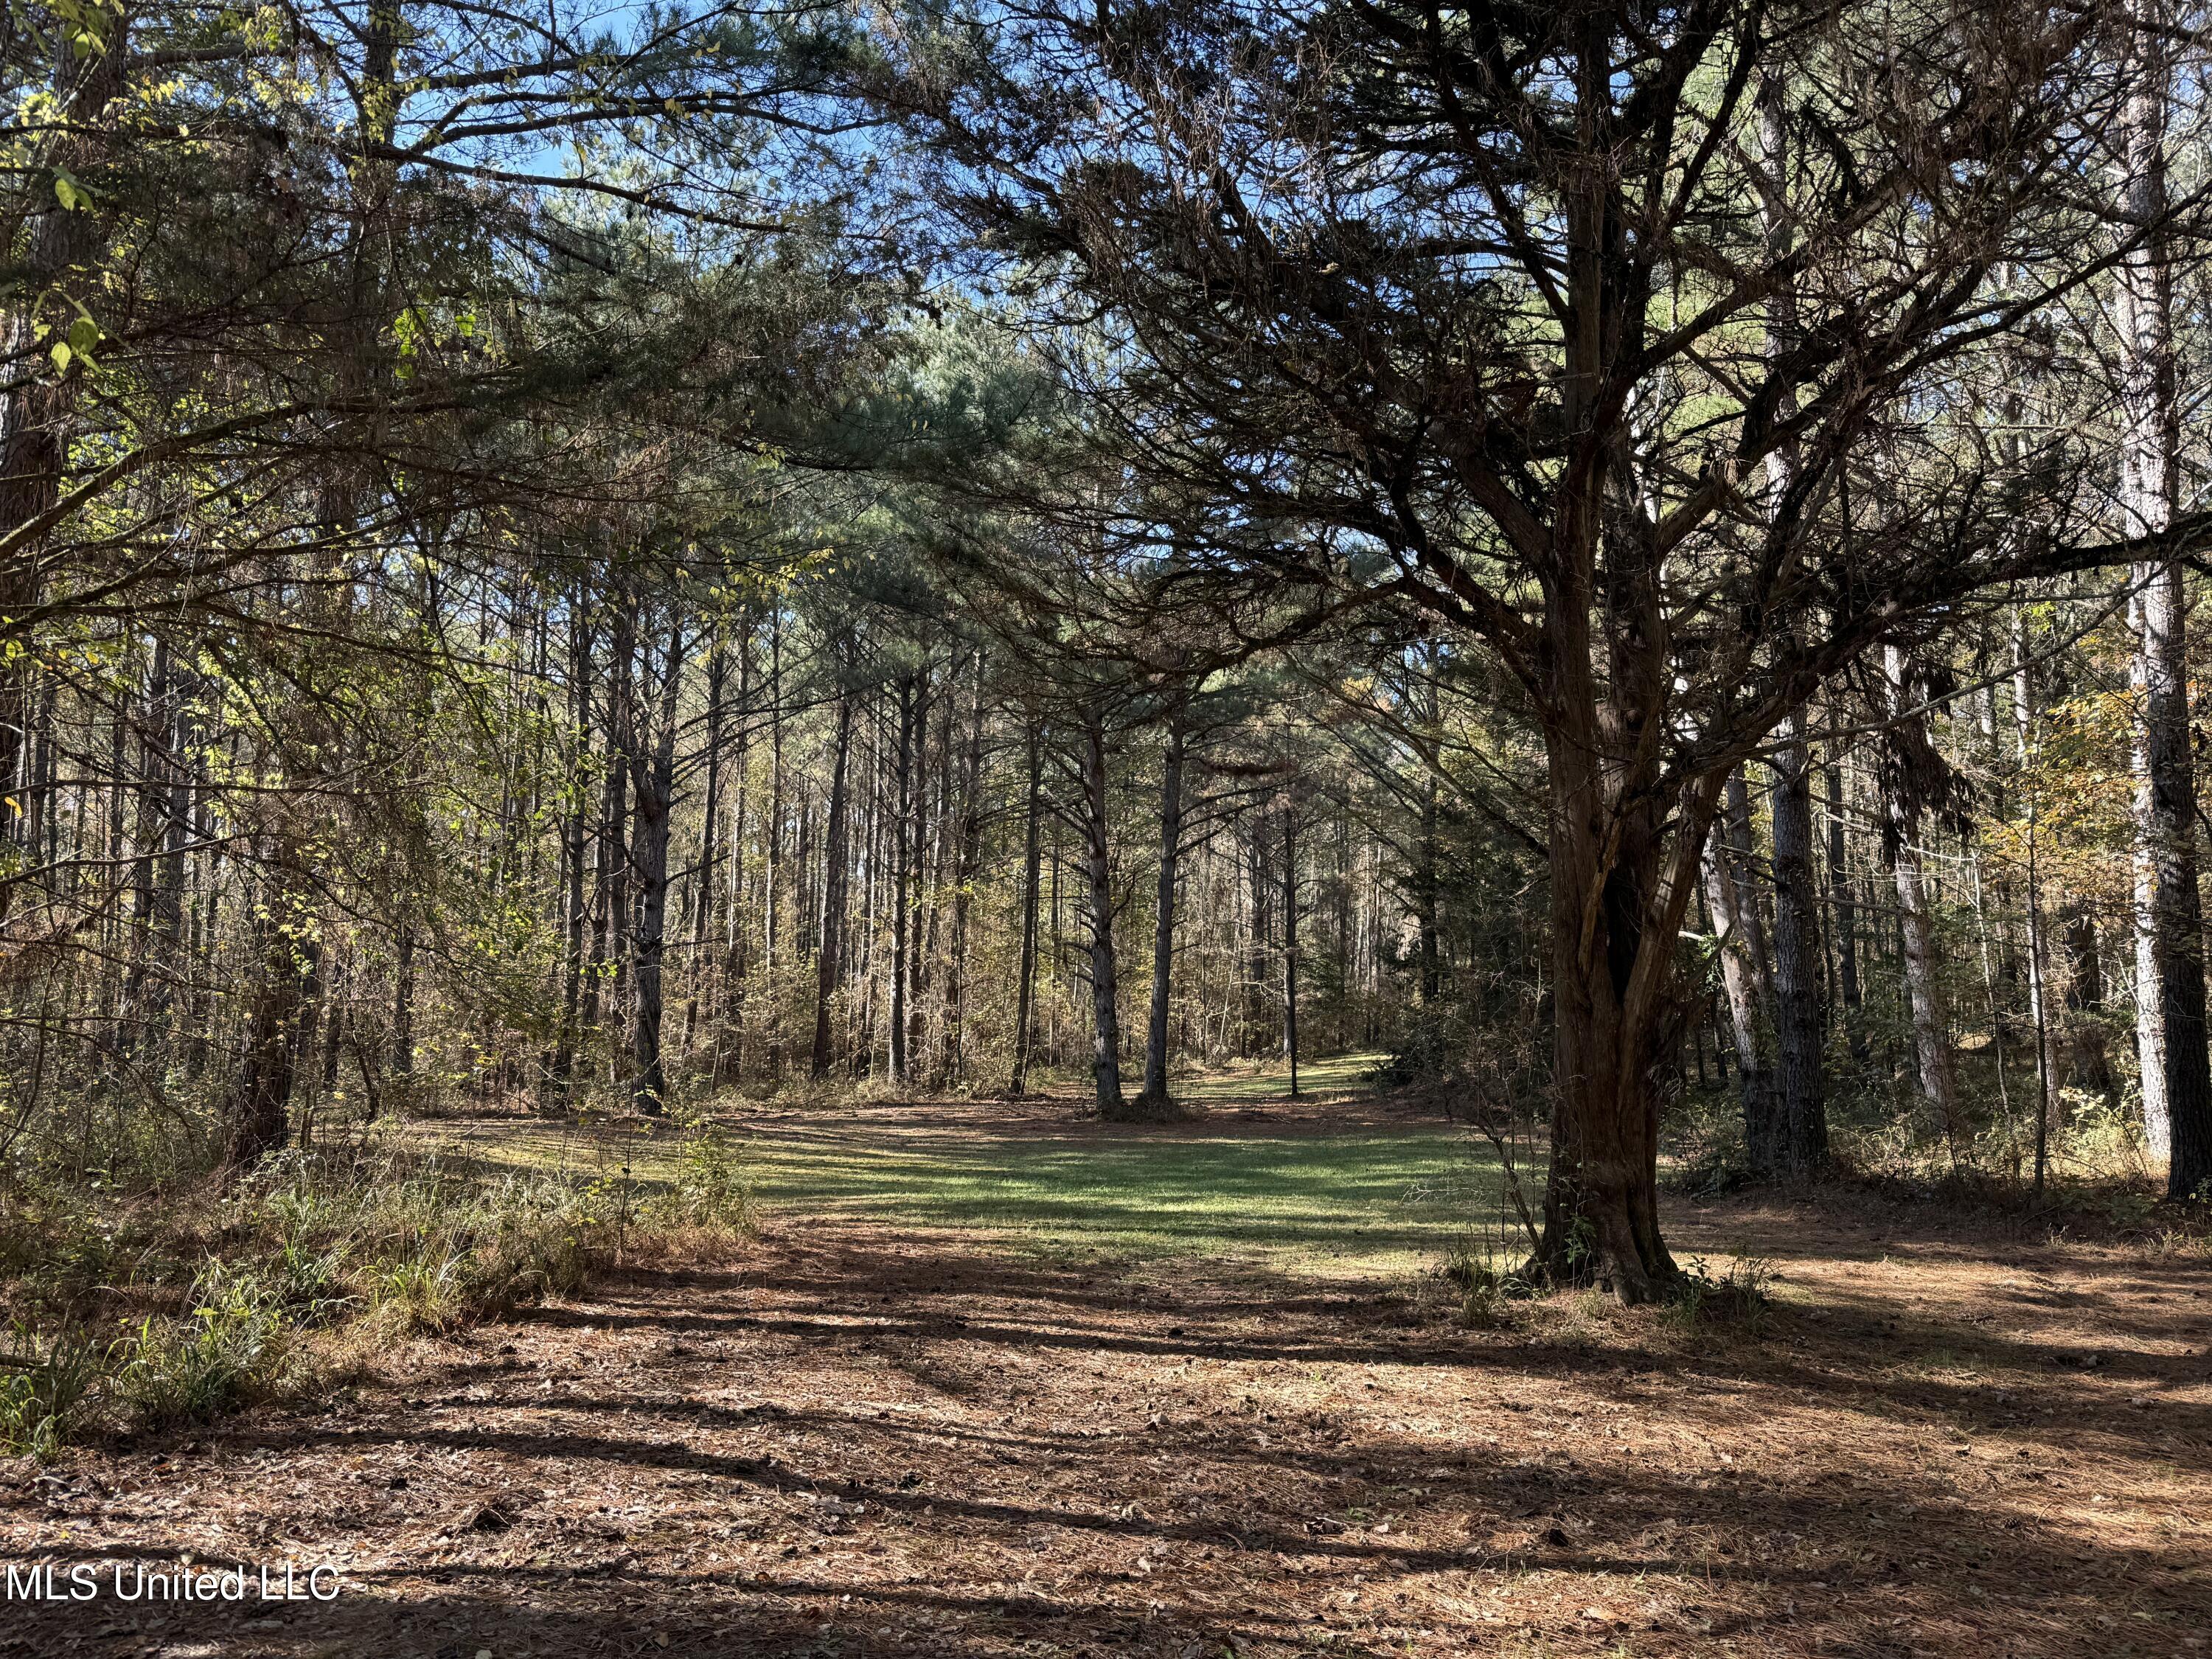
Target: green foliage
{"type": "Point", "coordinates": [237, 1341]}
{"type": "Point", "coordinates": [274, 1287]}
{"type": "Point", "coordinates": [712, 1185]}
{"type": "Point", "coordinates": [1738, 1299]}
{"type": "Point", "coordinates": [47, 1388]}
{"type": "Point", "coordinates": [1488, 1286]}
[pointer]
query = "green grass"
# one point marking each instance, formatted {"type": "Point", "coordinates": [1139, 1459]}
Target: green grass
{"type": "Point", "coordinates": [1292, 1195]}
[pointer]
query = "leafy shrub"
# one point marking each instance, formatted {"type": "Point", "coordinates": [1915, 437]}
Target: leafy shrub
{"type": "Point", "coordinates": [713, 1186]}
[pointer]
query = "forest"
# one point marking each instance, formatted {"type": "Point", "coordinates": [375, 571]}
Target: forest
{"type": "Point", "coordinates": [1172, 826]}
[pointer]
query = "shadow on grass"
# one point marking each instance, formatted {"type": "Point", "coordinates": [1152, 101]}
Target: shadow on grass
{"type": "Point", "coordinates": [1385, 1193]}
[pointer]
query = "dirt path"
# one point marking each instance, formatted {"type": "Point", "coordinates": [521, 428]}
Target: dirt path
{"type": "Point", "coordinates": [854, 1443]}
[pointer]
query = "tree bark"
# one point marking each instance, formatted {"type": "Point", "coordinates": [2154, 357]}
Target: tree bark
{"type": "Point", "coordinates": [966, 865]}
{"type": "Point", "coordinates": [1156, 1100]}
{"type": "Point", "coordinates": [1291, 943]}
{"type": "Point", "coordinates": [1098, 876]}
{"type": "Point", "coordinates": [2177, 1105]}
{"type": "Point", "coordinates": [1931, 1021]}
{"type": "Point", "coordinates": [261, 1093]}
{"type": "Point", "coordinates": [829, 961]}
{"type": "Point", "coordinates": [573, 848]}
{"type": "Point", "coordinates": [1799, 1144]}
{"type": "Point", "coordinates": [1739, 984]}
{"type": "Point", "coordinates": [1845, 910]}
{"type": "Point", "coordinates": [701, 977]}
{"type": "Point", "coordinates": [1032, 871]}
{"type": "Point", "coordinates": [652, 771]}
{"type": "Point", "coordinates": [58, 251]}
{"type": "Point", "coordinates": [903, 860]}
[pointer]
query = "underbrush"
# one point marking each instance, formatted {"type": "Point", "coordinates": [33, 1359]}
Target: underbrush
{"type": "Point", "coordinates": [1739, 1297]}
{"type": "Point", "coordinates": [142, 1310]}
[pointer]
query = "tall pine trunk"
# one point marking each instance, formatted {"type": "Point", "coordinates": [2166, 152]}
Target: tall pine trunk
{"type": "Point", "coordinates": [1032, 871]}
{"type": "Point", "coordinates": [1931, 1021]}
{"type": "Point", "coordinates": [2177, 1072]}
{"type": "Point", "coordinates": [1155, 1100]}
{"type": "Point", "coordinates": [1799, 1142]}
{"type": "Point", "coordinates": [652, 793]}
{"type": "Point", "coordinates": [1098, 879]}
{"type": "Point", "coordinates": [829, 960]}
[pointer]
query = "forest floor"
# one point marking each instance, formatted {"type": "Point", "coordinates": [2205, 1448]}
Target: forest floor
{"type": "Point", "coordinates": [997, 1380]}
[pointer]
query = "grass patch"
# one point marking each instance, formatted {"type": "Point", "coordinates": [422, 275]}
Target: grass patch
{"type": "Point", "coordinates": [1305, 1196]}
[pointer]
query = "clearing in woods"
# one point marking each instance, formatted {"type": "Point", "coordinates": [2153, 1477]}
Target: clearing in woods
{"type": "Point", "coordinates": [1001, 1381]}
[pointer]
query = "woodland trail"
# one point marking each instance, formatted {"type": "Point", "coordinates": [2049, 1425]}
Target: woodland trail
{"type": "Point", "coordinates": [859, 1438]}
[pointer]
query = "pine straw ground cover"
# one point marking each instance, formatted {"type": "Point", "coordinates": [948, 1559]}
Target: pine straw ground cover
{"type": "Point", "coordinates": [868, 1438]}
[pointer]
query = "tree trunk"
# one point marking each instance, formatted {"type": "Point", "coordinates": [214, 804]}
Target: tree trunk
{"type": "Point", "coordinates": [2088, 1065]}
{"type": "Point", "coordinates": [966, 867]}
{"type": "Point", "coordinates": [1618, 895]}
{"type": "Point", "coordinates": [2038, 956]}
{"type": "Point", "coordinates": [1739, 983]}
{"type": "Point", "coordinates": [704, 889]}
{"type": "Point", "coordinates": [772, 900]}
{"type": "Point", "coordinates": [1155, 1100]}
{"type": "Point", "coordinates": [1098, 870]}
{"type": "Point", "coordinates": [261, 1093]}
{"type": "Point", "coordinates": [2178, 1109]}
{"type": "Point", "coordinates": [58, 251]}
{"type": "Point", "coordinates": [1844, 928]}
{"type": "Point", "coordinates": [573, 848]}
{"type": "Point", "coordinates": [1290, 943]}
{"type": "Point", "coordinates": [653, 772]}
{"type": "Point", "coordinates": [1800, 1144]}
{"type": "Point", "coordinates": [830, 962]}
{"type": "Point", "coordinates": [1931, 1021]}
{"type": "Point", "coordinates": [903, 861]}
{"type": "Point", "coordinates": [1032, 869]}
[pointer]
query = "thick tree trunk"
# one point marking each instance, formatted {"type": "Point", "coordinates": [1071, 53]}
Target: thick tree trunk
{"type": "Point", "coordinates": [1624, 863]}
{"type": "Point", "coordinates": [1098, 878]}
{"type": "Point", "coordinates": [1032, 869]}
{"type": "Point", "coordinates": [830, 962]}
{"type": "Point", "coordinates": [2177, 937]}
{"type": "Point", "coordinates": [258, 1113]}
{"type": "Point", "coordinates": [1732, 893]}
{"type": "Point", "coordinates": [1155, 1100]}
{"type": "Point", "coordinates": [2039, 954]}
{"type": "Point", "coordinates": [1617, 900]}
